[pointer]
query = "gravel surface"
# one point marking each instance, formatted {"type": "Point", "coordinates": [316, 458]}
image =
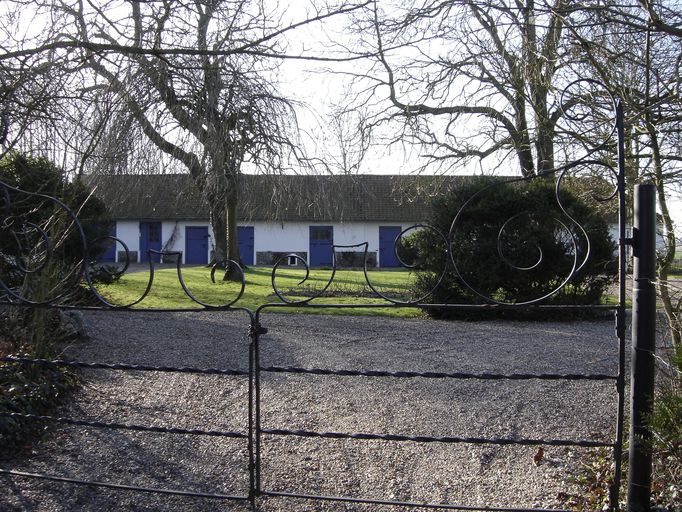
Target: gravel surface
{"type": "Point", "coordinates": [463, 474]}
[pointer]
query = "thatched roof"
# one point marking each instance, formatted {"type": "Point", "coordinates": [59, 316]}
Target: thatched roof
{"type": "Point", "coordinates": [358, 198]}
{"type": "Point", "coordinates": [277, 198]}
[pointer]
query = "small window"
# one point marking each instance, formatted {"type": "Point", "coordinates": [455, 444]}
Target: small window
{"type": "Point", "coordinates": [293, 260]}
{"type": "Point", "coordinates": [154, 233]}
{"type": "Point", "coordinates": [323, 233]}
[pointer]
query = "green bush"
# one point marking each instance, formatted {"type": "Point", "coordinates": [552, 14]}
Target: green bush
{"type": "Point", "coordinates": [28, 390]}
{"type": "Point", "coordinates": [39, 332]}
{"type": "Point", "coordinates": [666, 426]}
{"type": "Point", "coordinates": [512, 243]}
{"type": "Point", "coordinates": [40, 176]}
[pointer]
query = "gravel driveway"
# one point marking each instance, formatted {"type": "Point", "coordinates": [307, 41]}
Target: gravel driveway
{"type": "Point", "coordinates": [463, 474]}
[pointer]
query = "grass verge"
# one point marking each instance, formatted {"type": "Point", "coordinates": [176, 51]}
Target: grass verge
{"type": "Point", "coordinates": [598, 468]}
{"type": "Point", "coordinates": [347, 287]}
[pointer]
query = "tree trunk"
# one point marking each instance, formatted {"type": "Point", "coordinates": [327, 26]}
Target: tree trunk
{"type": "Point", "coordinates": [525, 155]}
{"type": "Point", "coordinates": [522, 142]}
{"type": "Point", "coordinates": [232, 273]}
{"type": "Point", "coordinates": [666, 255]}
{"type": "Point", "coordinates": [219, 232]}
{"type": "Point", "coordinates": [544, 144]}
{"type": "Point", "coordinates": [545, 152]}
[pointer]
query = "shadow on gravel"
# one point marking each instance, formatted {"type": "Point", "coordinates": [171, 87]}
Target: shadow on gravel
{"type": "Point", "coordinates": [456, 473]}
{"type": "Point", "coordinates": [472, 475]}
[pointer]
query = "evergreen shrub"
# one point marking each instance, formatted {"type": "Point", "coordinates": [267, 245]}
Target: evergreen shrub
{"type": "Point", "coordinates": [510, 242]}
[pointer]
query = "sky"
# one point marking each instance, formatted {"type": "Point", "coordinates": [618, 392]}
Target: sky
{"type": "Point", "coordinates": [319, 90]}
{"type": "Point", "coordinates": [310, 84]}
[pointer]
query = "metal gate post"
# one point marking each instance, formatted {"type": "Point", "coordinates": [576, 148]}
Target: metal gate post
{"type": "Point", "coordinates": [643, 347]}
{"type": "Point", "coordinates": [255, 332]}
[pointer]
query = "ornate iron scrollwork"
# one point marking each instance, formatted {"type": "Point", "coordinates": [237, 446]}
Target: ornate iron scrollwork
{"type": "Point", "coordinates": [35, 229]}
{"type": "Point", "coordinates": [31, 244]}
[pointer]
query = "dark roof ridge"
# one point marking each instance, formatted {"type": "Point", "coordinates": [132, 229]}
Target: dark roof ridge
{"type": "Point", "coordinates": [330, 198]}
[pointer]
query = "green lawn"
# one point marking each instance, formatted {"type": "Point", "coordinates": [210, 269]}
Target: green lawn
{"type": "Point", "coordinates": [348, 287]}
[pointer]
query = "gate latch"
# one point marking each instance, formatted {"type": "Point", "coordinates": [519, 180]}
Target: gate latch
{"type": "Point", "coordinates": [256, 330]}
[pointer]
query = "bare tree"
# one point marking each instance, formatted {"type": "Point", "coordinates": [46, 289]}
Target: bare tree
{"type": "Point", "coordinates": [472, 79]}
{"type": "Point", "coordinates": [209, 112]}
{"type": "Point", "coordinates": [199, 80]}
{"type": "Point", "coordinates": [642, 66]}
{"type": "Point", "coordinates": [49, 104]}
{"type": "Point", "coordinates": [349, 140]}
{"type": "Point", "coordinates": [29, 92]}
{"type": "Point", "coordinates": [663, 17]}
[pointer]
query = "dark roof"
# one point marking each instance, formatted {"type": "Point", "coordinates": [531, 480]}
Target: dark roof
{"type": "Point", "coordinates": [356, 198]}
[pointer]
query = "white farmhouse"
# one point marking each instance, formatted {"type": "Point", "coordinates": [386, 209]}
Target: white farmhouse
{"type": "Point", "coordinates": [278, 215]}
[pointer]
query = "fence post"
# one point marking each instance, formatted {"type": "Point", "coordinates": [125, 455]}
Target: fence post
{"type": "Point", "coordinates": [643, 347]}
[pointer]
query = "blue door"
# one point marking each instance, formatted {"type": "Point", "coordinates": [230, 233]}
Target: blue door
{"type": "Point", "coordinates": [196, 245]}
{"type": "Point", "coordinates": [387, 236]}
{"type": "Point", "coordinates": [109, 254]}
{"type": "Point", "coordinates": [321, 246]}
{"type": "Point", "coordinates": [150, 239]}
{"type": "Point", "coordinates": [245, 244]}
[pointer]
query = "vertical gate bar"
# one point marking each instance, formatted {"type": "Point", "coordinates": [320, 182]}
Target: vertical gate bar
{"type": "Point", "coordinates": [252, 462]}
{"type": "Point", "coordinates": [643, 348]}
{"type": "Point", "coordinates": [614, 495]}
{"type": "Point", "coordinates": [258, 330]}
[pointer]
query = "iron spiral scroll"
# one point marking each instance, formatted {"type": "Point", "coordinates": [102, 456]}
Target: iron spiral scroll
{"type": "Point", "coordinates": [32, 249]}
{"type": "Point", "coordinates": [34, 230]}
{"type": "Point", "coordinates": [31, 245]}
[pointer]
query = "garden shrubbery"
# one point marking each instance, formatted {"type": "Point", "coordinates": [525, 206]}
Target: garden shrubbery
{"type": "Point", "coordinates": [40, 260]}
{"type": "Point", "coordinates": [597, 471]}
{"type": "Point", "coordinates": [26, 212]}
{"type": "Point", "coordinates": [511, 242]}
{"type": "Point", "coordinates": [666, 426]}
{"type": "Point", "coordinates": [28, 390]}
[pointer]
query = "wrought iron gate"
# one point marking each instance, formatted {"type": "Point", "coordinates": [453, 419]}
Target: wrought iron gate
{"type": "Point", "coordinates": [18, 257]}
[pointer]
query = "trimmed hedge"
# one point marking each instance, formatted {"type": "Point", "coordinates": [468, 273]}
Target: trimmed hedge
{"type": "Point", "coordinates": [512, 243]}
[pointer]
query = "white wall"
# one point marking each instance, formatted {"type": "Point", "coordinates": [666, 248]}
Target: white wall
{"type": "Point", "coordinates": [274, 236]}
{"type": "Point", "coordinates": [268, 236]}
{"type": "Point", "coordinates": [614, 232]}
{"type": "Point", "coordinates": [279, 237]}
{"type": "Point", "coordinates": [295, 236]}
{"type": "Point", "coordinates": [129, 232]}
